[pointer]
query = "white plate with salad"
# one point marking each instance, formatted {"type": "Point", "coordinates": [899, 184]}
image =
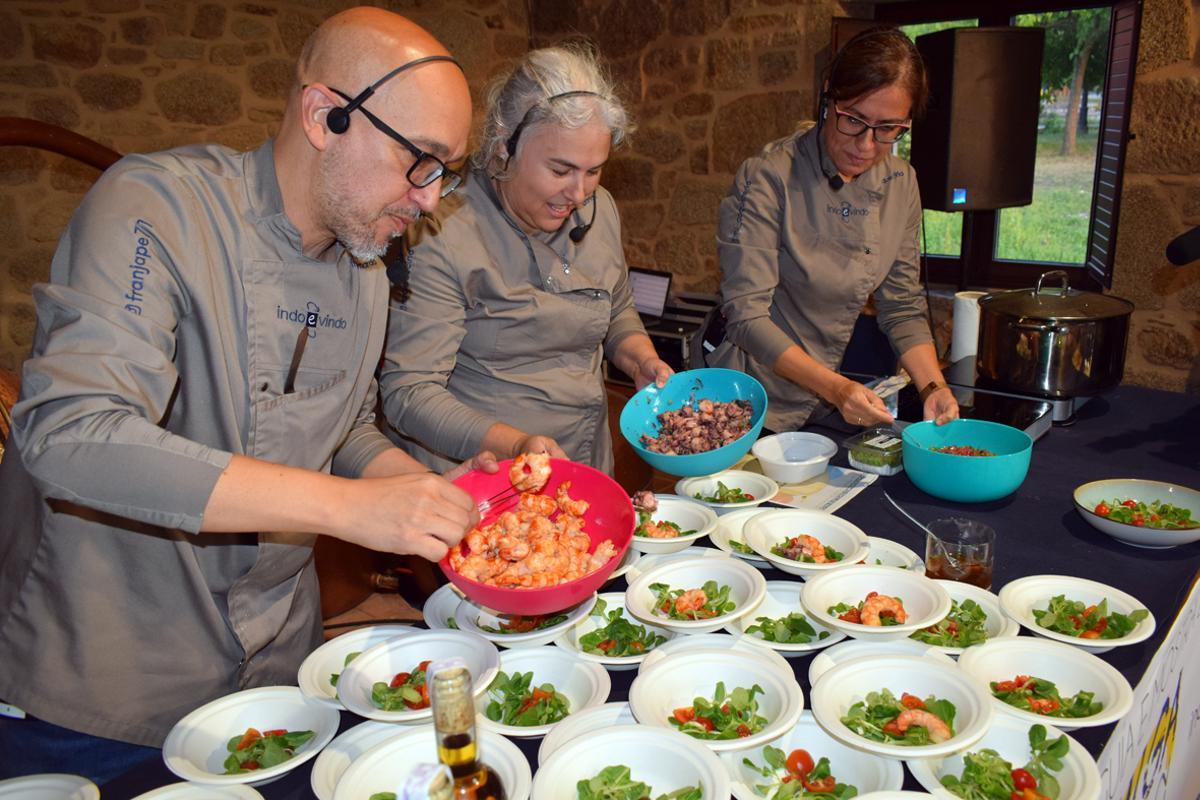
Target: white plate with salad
{"type": "Point", "coordinates": [804, 542]}
{"type": "Point", "coordinates": [696, 595]}
{"type": "Point", "coordinates": [975, 617]}
{"type": "Point", "coordinates": [584, 723]}
{"type": "Point", "coordinates": [339, 754]}
{"type": "Point", "coordinates": [675, 523]}
{"type": "Point", "coordinates": [612, 637]}
{"type": "Point", "coordinates": [1037, 680]}
{"type": "Point", "coordinates": [859, 648]}
{"type": "Point", "coordinates": [877, 603]}
{"type": "Point", "coordinates": [536, 688]}
{"type": "Point", "coordinates": [810, 756]}
{"type": "Point", "coordinates": [748, 646]}
{"type": "Point", "coordinates": [728, 535]}
{"type": "Point", "coordinates": [1077, 611]}
{"type": "Point", "coordinates": [515, 630]}
{"type": "Point", "coordinates": [319, 672]}
{"type": "Point", "coordinates": [729, 490]}
{"type": "Point", "coordinates": [1011, 757]}
{"type": "Point", "coordinates": [439, 608]}
{"type": "Point", "coordinates": [628, 560]}
{"type": "Point", "coordinates": [780, 623]}
{"type": "Point", "coordinates": [646, 562]}
{"type": "Point", "coordinates": [886, 553]}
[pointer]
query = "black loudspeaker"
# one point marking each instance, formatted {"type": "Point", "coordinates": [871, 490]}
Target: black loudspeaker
{"type": "Point", "coordinates": [974, 149]}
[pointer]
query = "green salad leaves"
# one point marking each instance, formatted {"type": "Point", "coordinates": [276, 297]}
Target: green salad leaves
{"type": "Point", "coordinates": [513, 702]}
{"type": "Point", "coordinates": [791, 629]}
{"type": "Point", "coordinates": [1075, 618]}
{"type": "Point", "coordinates": [962, 627]}
{"type": "Point", "coordinates": [620, 637]}
{"type": "Point", "coordinates": [726, 716]}
{"type": "Point", "coordinates": [879, 719]}
{"type": "Point", "coordinates": [253, 751]}
{"type": "Point", "coordinates": [706, 602]}
{"type": "Point", "coordinates": [725, 494]}
{"type": "Point", "coordinates": [987, 776]}
{"type": "Point", "coordinates": [617, 783]}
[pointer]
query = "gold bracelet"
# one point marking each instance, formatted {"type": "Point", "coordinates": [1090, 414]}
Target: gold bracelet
{"type": "Point", "coordinates": [932, 387]}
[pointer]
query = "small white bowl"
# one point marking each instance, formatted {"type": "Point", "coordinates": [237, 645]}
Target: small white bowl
{"type": "Point", "coordinates": [584, 684]}
{"type": "Point", "coordinates": [316, 672]}
{"type": "Point", "coordinates": [627, 561]}
{"type": "Point", "coordinates": [1067, 667]}
{"type": "Point", "coordinates": [770, 528]}
{"type": "Point", "coordinates": [886, 553]}
{"type": "Point", "coordinates": [783, 598]}
{"type": "Point", "coordinates": [665, 760]}
{"type": "Point", "coordinates": [1079, 779]}
{"type": "Point", "coordinates": [646, 563]}
{"type": "Point", "coordinates": [1089, 495]}
{"type": "Point", "coordinates": [50, 786]}
{"type": "Point", "coordinates": [689, 515]}
{"type": "Point", "coordinates": [730, 529]}
{"type": "Point", "coordinates": [339, 754]}
{"type": "Point", "coordinates": [677, 680]}
{"type": "Point", "coordinates": [174, 791]}
{"type": "Point", "coordinates": [385, 766]}
{"type": "Point", "coordinates": [760, 487]}
{"type": "Point", "coordinates": [747, 587]}
{"type": "Point", "coordinates": [925, 601]}
{"type": "Point", "coordinates": [195, 749]}
{"type": "Point", "coordinates": [858, 648]}
{"type": "Point", "coordinates": [746, 646]}
{"type": "Point", "coordinates": [585, 723]}
{"type": "Point", "coordinates": [471, 617]}
{"type": "Point", "coordinates": [997, 623]}
{"type": "Point", "coordinates": [1020, 597]}
{"type": "Point", "coordinates": [569, 639]}
{"type": "Point", "coordinates": [439, 608]}
{"type": "Point", "coordinates": [794, 456]}
{"type": "Point", "coordinates": [866, 772]}
{"type": "Point", "coordinates": [849, 682]}
{"type": "Point", "coordinates": [383, 661]}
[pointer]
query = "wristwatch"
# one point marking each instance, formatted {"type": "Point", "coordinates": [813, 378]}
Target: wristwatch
{"type": "Point", "coordinates": [932, 387]}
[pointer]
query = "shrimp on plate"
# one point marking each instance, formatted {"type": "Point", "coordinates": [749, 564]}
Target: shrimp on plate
{"type": "Point", "coordinates": [530, 471]}
{"type": "Point", "coordinates": [691, 600]}
{"type": "Point", "coordinates": [882, 605]}
{"type": "Point", "coordinates": [939, 731]}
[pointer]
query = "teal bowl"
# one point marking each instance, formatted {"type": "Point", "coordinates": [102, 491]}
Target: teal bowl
{"type": "Point", "coordinates": [640, 416]}
{"type": "Point", "coordinates": [966, 479]}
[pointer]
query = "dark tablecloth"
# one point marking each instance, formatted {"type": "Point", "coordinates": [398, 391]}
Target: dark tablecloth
{"type": "Point", "coordinates": [1131, 432]}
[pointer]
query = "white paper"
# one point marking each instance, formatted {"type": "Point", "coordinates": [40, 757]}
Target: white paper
{"type": "Point", "coordinates": [964, 333]}
{"type": "Point", "coordinates": [829, 491]}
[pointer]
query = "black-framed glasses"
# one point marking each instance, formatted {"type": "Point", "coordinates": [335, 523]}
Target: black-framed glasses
{"type": "Point", "coordinates": [888, 133]}
{"type": "Point", "coordinates": [427, 167]}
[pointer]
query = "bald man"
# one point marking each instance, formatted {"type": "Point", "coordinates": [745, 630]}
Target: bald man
{"type": "Point", "coordinates": [198, 407]}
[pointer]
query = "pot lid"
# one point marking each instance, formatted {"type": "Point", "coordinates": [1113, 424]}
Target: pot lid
{"type": "Point", "coordinates": [1056, 302]}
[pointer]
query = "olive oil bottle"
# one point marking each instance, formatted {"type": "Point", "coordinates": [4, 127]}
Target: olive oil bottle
{"type": "Point", "coordinates": [454, 722]}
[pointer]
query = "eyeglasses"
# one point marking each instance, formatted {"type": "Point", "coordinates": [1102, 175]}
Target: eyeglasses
{"type": "Point", "coordinates": [427, 168]}
{"type": "Point", "coordinates": [851, 125]}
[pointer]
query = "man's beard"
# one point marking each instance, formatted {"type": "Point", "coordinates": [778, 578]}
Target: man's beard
{"type": "Point", "coordinates": [351, 224]}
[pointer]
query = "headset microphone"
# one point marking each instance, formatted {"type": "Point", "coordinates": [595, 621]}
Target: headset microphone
{"type": "Point", "coordinates": [338, 119]}
{"type": "Point", "coordinates": [836, 182]}
{"type": "Point", "coordinates": [579, 231]}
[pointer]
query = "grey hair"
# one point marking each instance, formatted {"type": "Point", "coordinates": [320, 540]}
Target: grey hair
{"type": "Point", "coordinates": [522, 94]}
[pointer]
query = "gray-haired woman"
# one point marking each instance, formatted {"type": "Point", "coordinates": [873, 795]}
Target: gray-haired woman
{"type": "Point", "coordinates": [517, 287]}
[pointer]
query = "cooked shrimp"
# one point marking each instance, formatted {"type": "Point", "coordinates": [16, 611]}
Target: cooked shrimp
{"type": "Point", "coordinates": [604, 551]}
{"type": "Point", "coordinates": [575, 507]}
{"type": "Point", "coordinates": [510, 548]}
{"type": "Point", "coordinates": [811, 546]}
{"type": "Point", "coordinates": [536, 504]}
{"type": "Point", "coordinates": [530, 471]}
{"type": "Point", "coordinates": [656, 530]}
{"type": "Point", "coordinates": [939, 731]}
{"type": "Point", "coordinates": [690, 600]}
{"type": "Point", "coordinates": [877, 605]}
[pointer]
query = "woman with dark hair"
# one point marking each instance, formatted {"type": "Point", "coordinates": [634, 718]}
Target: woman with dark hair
{"type": "Point", "coordinates": [818, 222]}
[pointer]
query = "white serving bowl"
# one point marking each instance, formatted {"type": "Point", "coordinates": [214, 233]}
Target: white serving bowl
{"type": "Point", "coordinates": [50, 786]}
{"type": "Point", "coordinates": [339, 754]}
{"type": "Point", "coordinates": [1089, 495]}
{"type": "Point", "coordinates": [384, 767]}
{"type": "Point", "coordinates": [569, 639]}
{"type": "Point", "coordinates": [858, 648]}
{"type": "Point", "coordinates": [585, 723]}
{"type": "Point", "coordinates": [849, 682]}
{"type": "Point", "coordinates": [1079, 778]}
{"type": "Point", "coordinates": [471, 617]}
{"type": "Point", "coordinates": [439, 608]}
{"type": "Point", "coordinates": [747, 587]}
{"type": "Point", "coordinates": [783, 598]}
{"type": "Point", "coordinates": [330, 659]}
{"type": "Point", "coordinates": [583, 683]}
{"type": "Point", "coordinates": [892, 554]}
{"type": "Point", "coordinates": [760, 487]}
{"type": "Point", "coordinates": [627, 561]}
{"type": "Point", "coordinates": [746, 646]}
{"type": "Point", "coordinates": [688, 514]}
{"type": "Point", "coordinates": [770, 528]}
{"type": "Point", "coordinates": [997, 623]}
{"type": "Point", "coordinates": [866, 772]}
{"type": "Point", "coordinates": [1020, 597]}
{"type": "Point", "coordinates": [730, 529]}
{"type": "Point", "coordinates": [645, 563]}
{"type": "Point", "coordinates": [794, 456]}
{"type": "Point", "coordinates": [677, 680]}
{"type": "Point", "coordinates": [195, 749]}
{"type": "Point", "coordinates": [383, 661]}
{"type": "Point", "coordinates": [925, 601]}
{"type": "Point", "coordinates": [1069, 668]}
{"type": "Point", "coordinates": [665, 760]}
{"type": "Point", "coordinates": [174, 791]}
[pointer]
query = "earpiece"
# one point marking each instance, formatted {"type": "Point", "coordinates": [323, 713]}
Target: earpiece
{"type": "Point", "coordinates": [338, 120]}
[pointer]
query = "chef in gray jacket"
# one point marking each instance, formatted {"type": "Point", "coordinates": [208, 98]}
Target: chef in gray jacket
{"type": "Point", "coordinates": [518, 286]}
{"type": "Point", "coordinates": [816, 223]}
{"type": "Point", "coordinates": [198, 406]}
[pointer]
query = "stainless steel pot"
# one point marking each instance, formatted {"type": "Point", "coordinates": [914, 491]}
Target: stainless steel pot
{"type": "Point", "coordinates": [1052, 342]}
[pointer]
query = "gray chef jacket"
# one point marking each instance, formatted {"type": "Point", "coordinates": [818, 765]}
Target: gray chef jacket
{"type": "Point", "coordinates": [505, 327]}
{"type": "Point", "coordinates": [799, 258]}
{"type": "Point", "coordinates": [175, 300]}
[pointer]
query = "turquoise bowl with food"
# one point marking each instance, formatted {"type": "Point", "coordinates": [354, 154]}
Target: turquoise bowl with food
{"type": "Point", "coordinates": [995, 471]}
{"type": "Point", "coordinates": [640, 417]}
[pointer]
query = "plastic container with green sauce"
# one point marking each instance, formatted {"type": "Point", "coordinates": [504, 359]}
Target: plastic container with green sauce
{"type": "Point", "coordinates": [877, 450]}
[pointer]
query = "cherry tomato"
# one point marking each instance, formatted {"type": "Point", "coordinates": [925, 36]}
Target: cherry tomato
{"type": "Point", "coordinates": [250, 765]}
{"type": "Point", "coordinates": [821, 785]}
{"type": "Point", "coordinates": [706, 723]}
{"type": "Point", "coordinates": [1022, 780]}
{"type": "Point", "coordinates": [911, 701]}
{"type": "Point", "coordinates": [743, 730]}
{"type": "Point", "coordinates": [1139, 520]}
{"type": "Point", "coordinates": [1006, 686]}
{"type": "Point", "coordinates": [799, 762]}
{"type": "Point", "coordinates": [1102, 509]}
{"type": "Point", "coordinates": [606, 645]}
{"type": "Point", "coordinates": [535, 697]}
{"type": "Point", "coordinates": [685, 714]}
{"type": "Point", "coordinates": [748, 496]}
{"type": "Point", "coordinates": [424, 665]}
{"type": "Point", "coordinates": [400, 679]}
{"type": "Point", "coordinates": [248, 738]}
{"type": "Point", "coordinates": [1130, 503]}
{"type": "Point", "coordinates": [1089, 635]}
{"type": "Point", "coordinates": [725, 708]}
{"type": "Point", "coordinates": [277, 732]}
